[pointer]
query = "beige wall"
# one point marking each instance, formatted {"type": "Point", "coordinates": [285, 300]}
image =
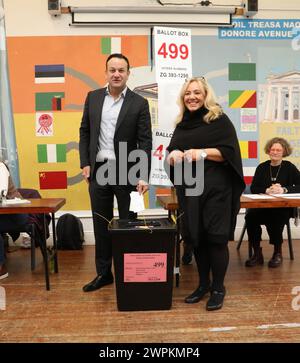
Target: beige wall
{"type": "Point", "coordinates": [31, 17]}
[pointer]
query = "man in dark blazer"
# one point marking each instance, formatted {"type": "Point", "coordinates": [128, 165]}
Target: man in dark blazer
{"type": "Point", "coordinates": [115, 122]}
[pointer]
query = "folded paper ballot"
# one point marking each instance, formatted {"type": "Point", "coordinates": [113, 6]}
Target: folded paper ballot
{"type": "Point", "coordinates": [136, 202]}
{"type": "Point", "coordinates": [14, 201]}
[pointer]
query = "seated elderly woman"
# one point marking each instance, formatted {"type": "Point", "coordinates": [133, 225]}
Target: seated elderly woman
{"type": "Point", "coordinates": [8, 221]}
{"type": "Point", "coordinates": [274, 176]}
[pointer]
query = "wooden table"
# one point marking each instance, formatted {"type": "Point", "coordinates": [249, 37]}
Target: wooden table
{"type": "Point", "coordinates": [43, 206]}
{"type": "Point", "coordinates": [170, 202]}
{"type": "Point", "coordinates": [276, 202]}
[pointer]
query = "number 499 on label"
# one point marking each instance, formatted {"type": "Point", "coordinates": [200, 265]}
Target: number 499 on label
{"type": "Point", "coordinates": [173, 51]}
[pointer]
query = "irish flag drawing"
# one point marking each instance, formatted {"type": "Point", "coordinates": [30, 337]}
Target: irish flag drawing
{"type": "Point", "coordinates": [242, 99]}
{"type": "Point", "coordinates": [110, 45]}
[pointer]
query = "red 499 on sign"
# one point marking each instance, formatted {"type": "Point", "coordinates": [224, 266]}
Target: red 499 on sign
{"type": "Point", "coordinates": [173, 51]}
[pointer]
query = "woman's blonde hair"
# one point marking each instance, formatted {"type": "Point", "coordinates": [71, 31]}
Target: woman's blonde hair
{"type": "Point", "coordinates": [214, 110]}
{"type": "Point", "coordinates": [287, 149]}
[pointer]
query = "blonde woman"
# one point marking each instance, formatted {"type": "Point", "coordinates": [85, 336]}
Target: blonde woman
{"type": "Point", "coordinates": [204, 131]}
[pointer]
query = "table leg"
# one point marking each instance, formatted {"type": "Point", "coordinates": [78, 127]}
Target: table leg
{"type": "Point", "coordinates": [54, 243]}
{"type": "Point", "coordinates": [45, 254]}
{"type": "Point", "coordinates": [177, 261]}
{"type": "Point", "coordinates": [177, 248]}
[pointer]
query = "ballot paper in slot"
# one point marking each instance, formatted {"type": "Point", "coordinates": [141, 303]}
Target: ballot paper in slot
{"type": "Point", "coordinates": [136, 202]}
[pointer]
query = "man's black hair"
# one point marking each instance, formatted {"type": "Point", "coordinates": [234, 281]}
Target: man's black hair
{"type": "Point", "coordinates": [118, 55]}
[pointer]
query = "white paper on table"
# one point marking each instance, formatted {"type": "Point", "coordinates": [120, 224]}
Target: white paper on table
{"type": "Point", "coordinates": [288, 195]}
{"type": "Point", "coordinates": [4, 174]}
{"type": "Point", "coordinates": [15, 201]}
{"type": "Point", "coordinates": [258, 196]}
{"type": "Point", "coordinates": [136, 202]}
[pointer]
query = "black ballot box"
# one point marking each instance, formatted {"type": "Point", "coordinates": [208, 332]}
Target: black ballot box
{"type": "Point", "coordinates": [143, 255]}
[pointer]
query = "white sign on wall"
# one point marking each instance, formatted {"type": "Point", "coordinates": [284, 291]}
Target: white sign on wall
{"type": "Point", "coordinates": [173, 60]}
{"type": "Point", "coordinates": [173, 64]}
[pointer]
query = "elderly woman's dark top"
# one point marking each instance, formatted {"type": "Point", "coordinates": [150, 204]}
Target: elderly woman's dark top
{"type": "Point", "coordinates": [286, 174]}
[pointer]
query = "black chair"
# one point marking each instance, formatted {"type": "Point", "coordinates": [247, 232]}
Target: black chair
{"type": "Point", "coordinates": [35, 227]}
{"type": "Point", "coordinates": [290, 242]}
{"type": "Point", "coordinates": [30, 229]}
{"type": "Point", "coordinates": [40, 229]}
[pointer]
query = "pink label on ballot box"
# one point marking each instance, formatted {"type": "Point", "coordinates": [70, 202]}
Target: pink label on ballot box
{"type": "Point", "coordinates": [145, 267]}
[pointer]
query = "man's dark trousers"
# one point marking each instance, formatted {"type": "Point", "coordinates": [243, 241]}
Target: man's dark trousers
{"type": "Point", "coordinates": [102, 202]}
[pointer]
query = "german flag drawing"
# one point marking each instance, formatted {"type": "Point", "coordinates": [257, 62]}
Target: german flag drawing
{"type": "Point", "coordinates": [242, 99]}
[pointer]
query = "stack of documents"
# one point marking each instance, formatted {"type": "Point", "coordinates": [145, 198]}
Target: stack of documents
{"type": "Point", "coordinates": [259, 196]}
{"type": "Point", "coordinates": [288, 195]}
{"type": "Point", "coordinates": [14, 201]}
